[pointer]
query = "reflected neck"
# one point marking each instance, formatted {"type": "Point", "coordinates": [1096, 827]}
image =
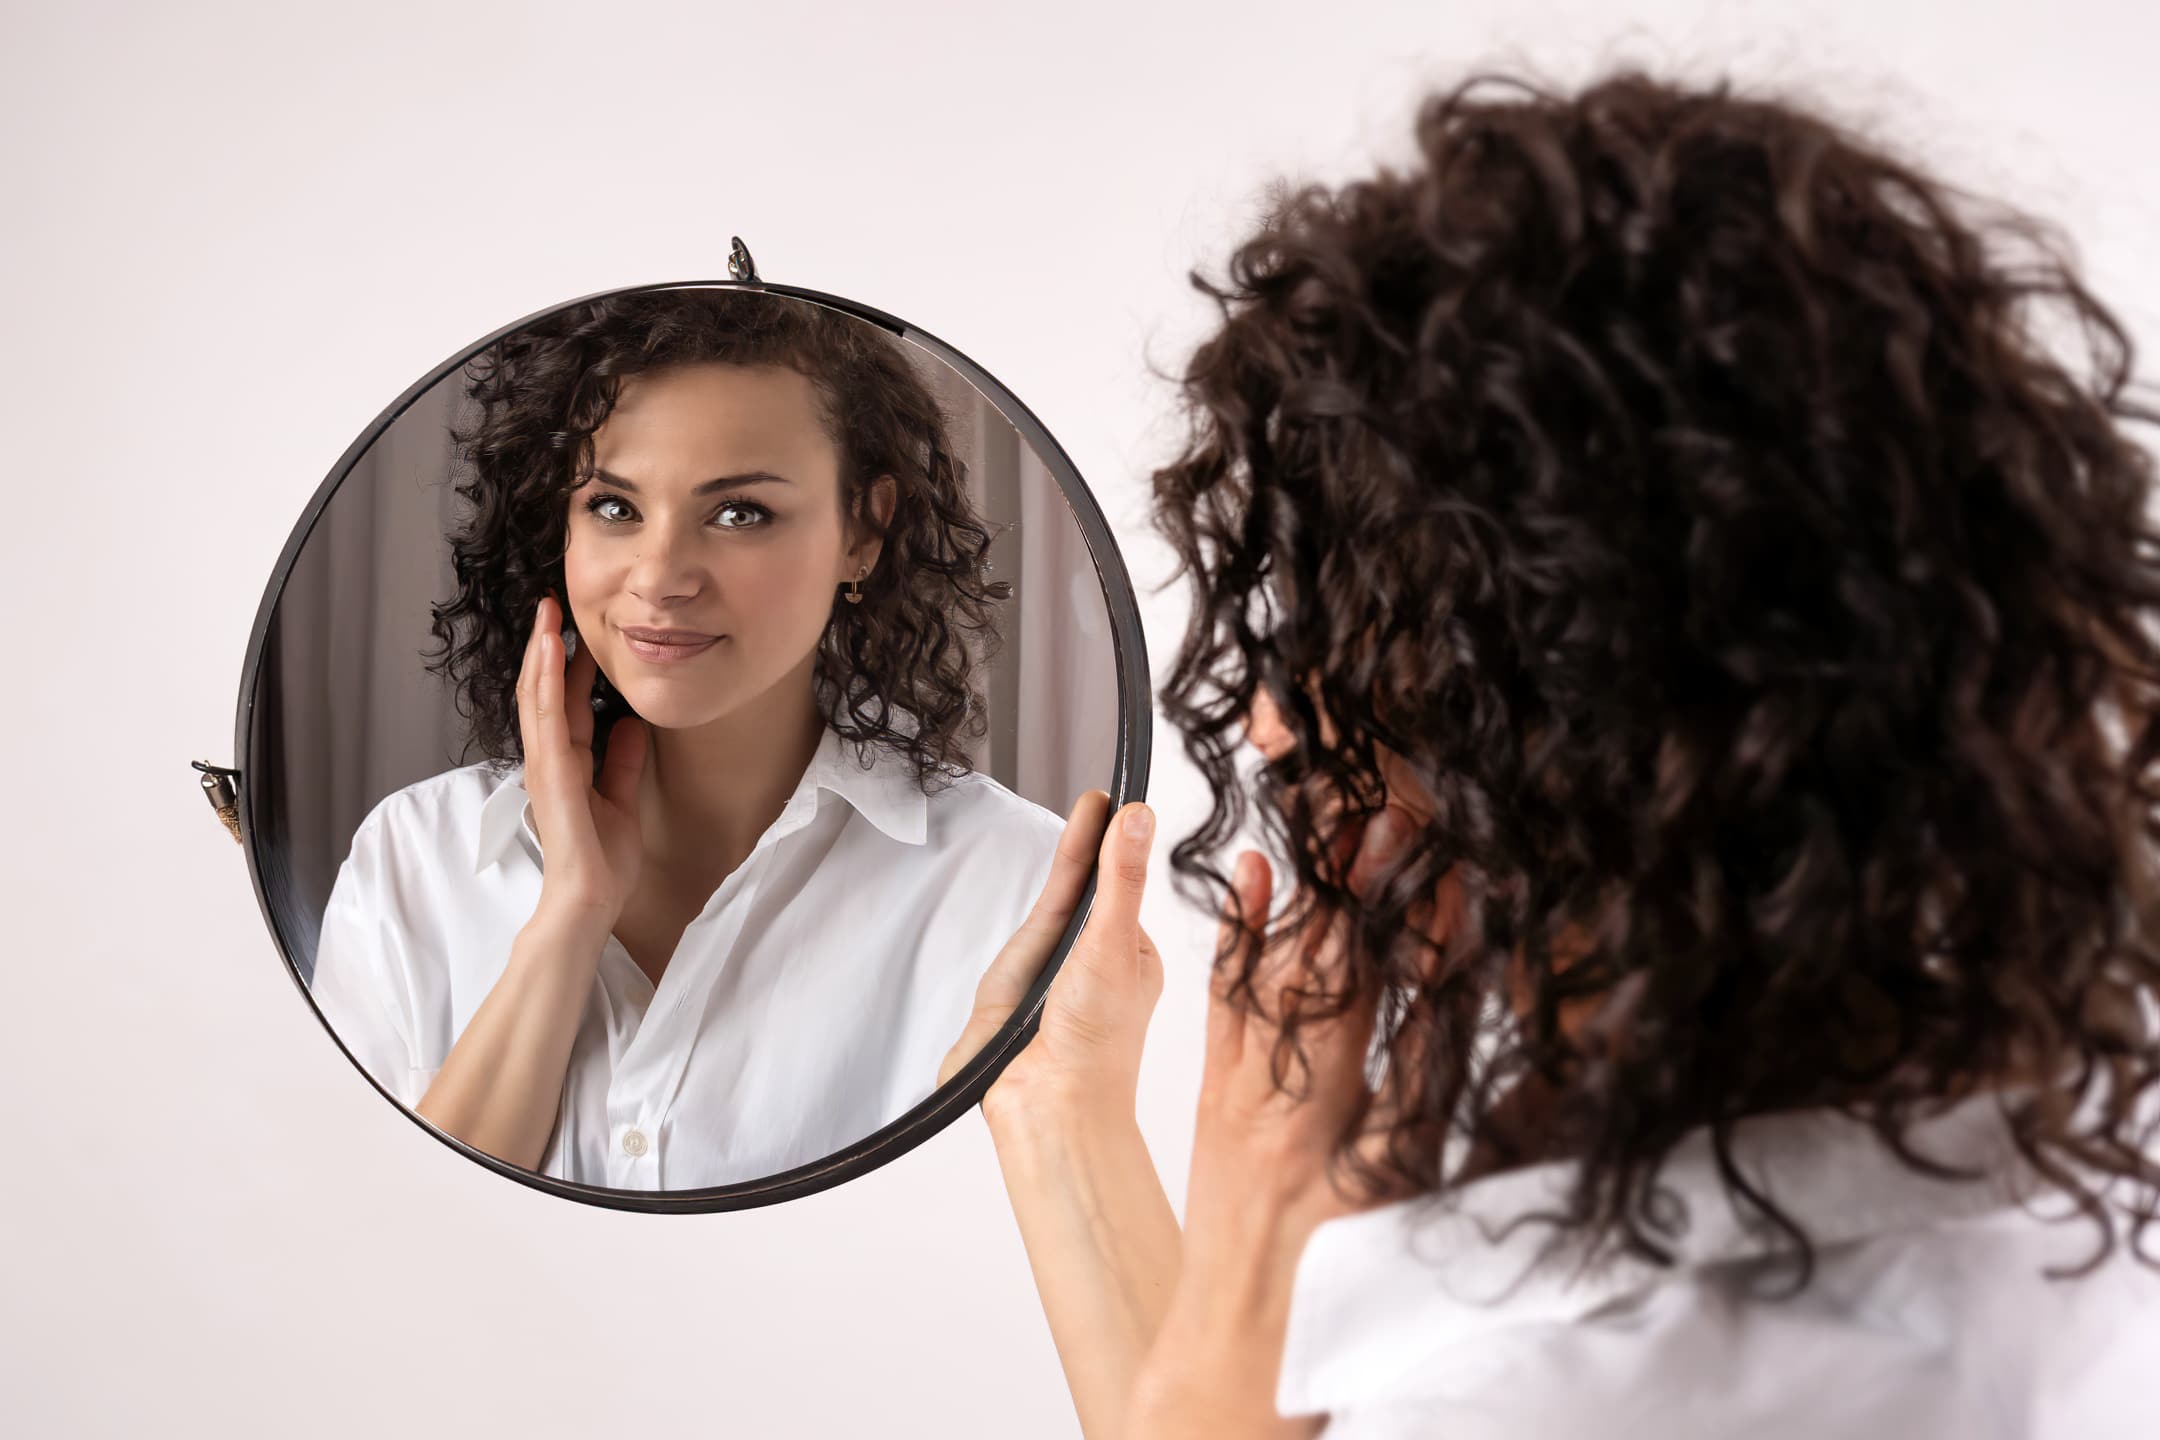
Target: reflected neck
{"type": "Point", "coordinates": [709, 792]}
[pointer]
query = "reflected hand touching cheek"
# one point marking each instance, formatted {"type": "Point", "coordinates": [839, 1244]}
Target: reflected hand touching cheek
{"type": "Point", "coordinates": [497, 1088]}
{"type": "Point", "coordinates": [592, 827]}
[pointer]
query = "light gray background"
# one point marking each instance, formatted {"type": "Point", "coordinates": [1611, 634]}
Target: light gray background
{"type": "Point", "coordinates": [232, 232]}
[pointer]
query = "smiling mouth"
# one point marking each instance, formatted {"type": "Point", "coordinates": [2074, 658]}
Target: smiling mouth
{"type": "Point", "coordinates": [668, 646]}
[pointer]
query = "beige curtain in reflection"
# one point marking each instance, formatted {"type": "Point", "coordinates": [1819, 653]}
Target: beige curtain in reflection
{"type": "Point", "coordinates": [360, 716]}
{"type": "Point", "coordinates": [1052, 690]}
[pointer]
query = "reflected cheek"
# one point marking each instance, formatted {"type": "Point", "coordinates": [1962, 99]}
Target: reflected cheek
{"type": "Point", "coordinates": [587, 585]}
{"type": "Point", "coordinates": [773, 591]}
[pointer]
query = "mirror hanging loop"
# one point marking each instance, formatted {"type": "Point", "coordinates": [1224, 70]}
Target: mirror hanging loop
{"type": "Point", "coordinates": [224, 798]}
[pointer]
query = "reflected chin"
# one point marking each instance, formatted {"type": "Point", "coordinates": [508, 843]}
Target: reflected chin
{"type": "Point", "coordinates": [666, 707]}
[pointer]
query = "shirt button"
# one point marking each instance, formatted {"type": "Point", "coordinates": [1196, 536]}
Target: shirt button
{"type": "Point", "coordinates": [634, 1143]}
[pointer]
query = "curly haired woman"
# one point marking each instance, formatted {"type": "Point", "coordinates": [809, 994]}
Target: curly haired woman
{"type": "Point", "coordinates": [1689, 576]}
{"type": "Point", "coordinates": [721, 602]}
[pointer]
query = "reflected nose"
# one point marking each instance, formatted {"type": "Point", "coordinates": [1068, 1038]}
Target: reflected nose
{"type": "Point", "coordinates": [665, 568]}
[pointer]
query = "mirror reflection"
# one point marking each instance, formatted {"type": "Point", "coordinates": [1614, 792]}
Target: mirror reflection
{"type": "Point", "coordinates": [664, 725]}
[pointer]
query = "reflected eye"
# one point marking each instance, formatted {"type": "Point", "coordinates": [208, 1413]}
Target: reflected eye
{"type": "Point", "coordinates": [611, 508]}
{"type": "Point", "coordinates": [741, 515]}
{"type": "Point", "coordinates": [733, 515]}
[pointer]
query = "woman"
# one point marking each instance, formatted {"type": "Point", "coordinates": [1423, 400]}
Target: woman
{"type": "Point", "coordinates": [1698, 631]}
{"type": "Point", "coordinates": [730, 523]}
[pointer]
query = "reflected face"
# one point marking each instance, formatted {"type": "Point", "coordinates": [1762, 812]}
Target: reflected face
{"type": "Point", "coordinates": [708, 549]}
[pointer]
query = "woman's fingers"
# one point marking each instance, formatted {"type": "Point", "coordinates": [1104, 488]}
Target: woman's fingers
{"type": "Point", "coordinates": [1242, 930]}
{"type": "Point", "coordinates": [1287, 973]}
{"type": "Point", "coordinates": [1016, 965]}
{"type": "Point", "coordinates": [578, 675]}
{"type": "Point", "coordinates": [528, 674]}
{"type": "Point", "coordinates": [628, 744]}
{"type": "Point", "coordinates": [540, 697]}
{"type": "Point", "coordinates": [551, 734]}
{"type": "Point", "coordinates": [1339, 1045]}
{"type": "Point", "coordinates": [1120, 883]}
{"type": "Point", "coordinates": [1385, 837]}
{"type": "Point", "coordinates": [1069, 869]}
{"type": "Point", "coordinates": [1021, 959]}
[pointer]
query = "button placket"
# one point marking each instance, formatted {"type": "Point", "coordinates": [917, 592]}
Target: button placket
{"type": "Point", "coordinates": [650, 1076]}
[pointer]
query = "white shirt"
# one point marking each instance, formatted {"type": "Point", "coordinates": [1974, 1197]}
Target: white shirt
{"type": "Point", "coordinates": [1928, 1315]}
{"type": "Point", "coordinates": [809, 1003]}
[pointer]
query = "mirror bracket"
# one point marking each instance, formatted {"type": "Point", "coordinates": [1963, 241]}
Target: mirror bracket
{"type": "Point", "coordinates": [739, 264]}
{"type": "Point", "coordinates": [221, 787]}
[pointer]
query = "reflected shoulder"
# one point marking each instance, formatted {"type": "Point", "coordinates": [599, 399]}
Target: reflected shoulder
{"type": "Point", "coordinates": [977, 809]}
{"type": "Point", "coordinates": [448, 801]}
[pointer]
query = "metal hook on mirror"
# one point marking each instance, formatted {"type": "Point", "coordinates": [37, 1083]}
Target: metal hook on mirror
{"type": "Point", "coordinates": [217, 784]}
{"type": "Point", "coordinates": [739, 264]}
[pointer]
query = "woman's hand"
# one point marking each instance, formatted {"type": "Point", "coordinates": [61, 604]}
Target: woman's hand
{"type": "Point", "coordinates": [590, 832]}
{"type": "Point", "coordinates": [1086, 1050]}
{"type": "Point", "coordinates": [1263, 1167]}
{"type": "Point", "coordinates": [1101, 1238]}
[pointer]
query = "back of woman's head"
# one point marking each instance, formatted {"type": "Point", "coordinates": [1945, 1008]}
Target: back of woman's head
{"type": "Point", "coordinates": [1702, 512]}
{"type": "Point", "coordinates": [899, 669]}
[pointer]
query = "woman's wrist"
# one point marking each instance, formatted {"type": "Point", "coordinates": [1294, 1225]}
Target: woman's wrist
{"type": "Point", "coordinates": [1217, 1359]}
{"type": "Point", "coordinates": [1101, 1237]}
{"type": "Point", "coordinates": [1039, 1132]}
{"type": "Point", "coordinates": [1026, 1108]}
{"type": "Point", "coordinates": [573, 918]}
{"type": "Point", "coordinates": [562, 933]}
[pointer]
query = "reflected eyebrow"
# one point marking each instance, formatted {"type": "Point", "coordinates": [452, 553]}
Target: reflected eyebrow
{"type": "Point", "coordinates": [723, 482]}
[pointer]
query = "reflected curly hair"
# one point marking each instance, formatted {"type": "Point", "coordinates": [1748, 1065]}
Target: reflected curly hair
{"type": "Point", "coordinates": [1698, 503]}
{"type": "Point", "coordinates": [898, 670]}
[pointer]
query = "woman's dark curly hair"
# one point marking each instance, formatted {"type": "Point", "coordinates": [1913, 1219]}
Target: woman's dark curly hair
{"type": "Point", "coordinates": [897, 670]}
{"type": "Point", "coordinates": [1688, 494]}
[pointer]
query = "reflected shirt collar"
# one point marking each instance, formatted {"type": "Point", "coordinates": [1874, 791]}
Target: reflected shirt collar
{"type": "Point", "coordinates": [878, 784]}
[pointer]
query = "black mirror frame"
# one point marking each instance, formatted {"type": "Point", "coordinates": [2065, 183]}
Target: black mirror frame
{"type": "Point", "coordinates": [965, 1089]}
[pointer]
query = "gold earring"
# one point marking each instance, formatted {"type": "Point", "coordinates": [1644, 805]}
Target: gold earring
{"type": "Point", "coordinates": [854, 587]}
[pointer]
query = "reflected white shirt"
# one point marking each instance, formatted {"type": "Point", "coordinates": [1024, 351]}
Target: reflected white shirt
{"type": "Point", "coordinates": [809, 1003]}
{"type": "Point", "coordinates": [1928, 1315]}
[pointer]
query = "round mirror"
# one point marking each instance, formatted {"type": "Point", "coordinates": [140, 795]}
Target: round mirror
{"type": "Point", "coordinates": [661, 717]}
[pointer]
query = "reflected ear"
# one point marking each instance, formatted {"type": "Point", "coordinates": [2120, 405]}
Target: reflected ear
{"type": "Point", "coordinates": [879, 498]}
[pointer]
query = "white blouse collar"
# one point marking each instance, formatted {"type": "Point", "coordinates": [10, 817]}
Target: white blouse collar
{"type": "Point", "coordinates": [1378, 1292]}
{"type": "Point", "coordinates": [878, 784]}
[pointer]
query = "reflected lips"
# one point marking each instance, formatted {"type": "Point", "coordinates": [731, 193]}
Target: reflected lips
{"type": "Point", "coordinates": [665, 647]}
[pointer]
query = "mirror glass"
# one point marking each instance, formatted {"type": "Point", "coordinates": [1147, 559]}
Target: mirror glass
{"type": "Point", "coordinates": [692, 890]}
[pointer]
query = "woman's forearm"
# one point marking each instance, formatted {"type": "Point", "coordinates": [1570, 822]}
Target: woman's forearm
{"type": "Point", "coordinates": [1101, 1239]}
{"type": "Point", "coordinates": [1217, 1362]}
{"type": "Point", "coordinates": [500, 1085]}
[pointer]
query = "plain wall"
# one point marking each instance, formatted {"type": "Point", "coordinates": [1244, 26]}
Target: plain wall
{"type": "Point", "coordinates": [234, 232]}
